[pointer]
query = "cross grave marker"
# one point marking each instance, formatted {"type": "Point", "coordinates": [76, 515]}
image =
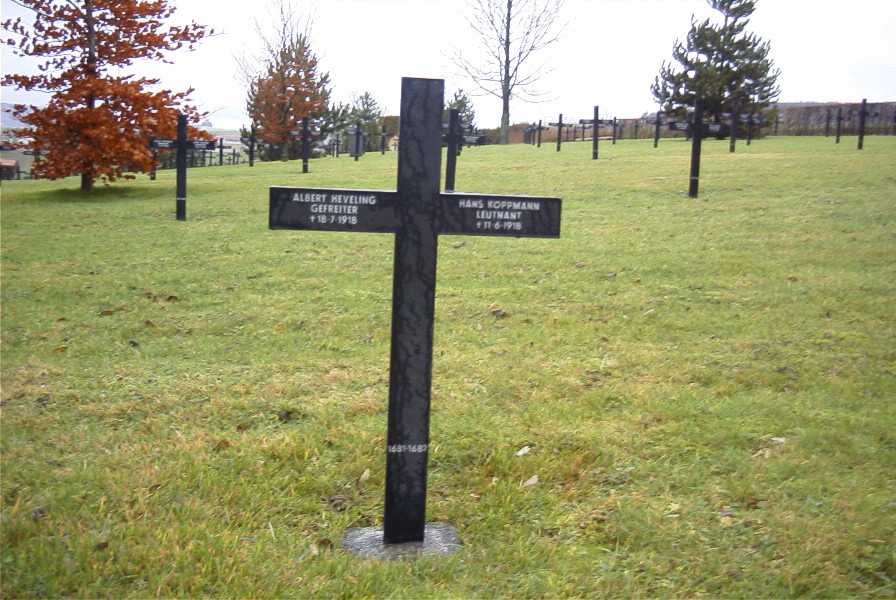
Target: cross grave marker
{"type": "Point", "coordinates": [595, 126]}
{"type": "Point", "coordinates": [657, 123]}
{"type": "Point", "coordinates": [454, 137]}
{"type": "Point", "coordinates": [417, 214]}
{"type": "Point", "coordinates": [864, 113]}
{"type": "Point", "coordinates": [181, 145]}
{"type": "Point", "coordinates": [839, 124]}
{"type": "Point", "coordinates": [559, 126]}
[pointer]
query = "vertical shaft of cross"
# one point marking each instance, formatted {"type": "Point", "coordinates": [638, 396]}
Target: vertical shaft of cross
{"type": "Point", "coordinates": [656, 129]}
{"type": "Point", "coordinates": [253, 133]}
{"type": "Point", "coordinates": [732, 141]}
{"type": "Point", "coordinates": [559, 131]}
{"type": "Point", "coordinates": [181, 166]}
{"type": "Point", "coordinates": [839, 124]}
{"type": "Point", "coordinates": [696, 143]}
{"type": "Point", "coordinates": [863, 115]}
{"type": "Point", "coordinates": [750, 129]}
{"type": "Point", "coordinates": [306, 143]}
{"type": "Point", "coordinates": [358, 135]}
{"type": "Point", "coordinates": [539, 134]}
{"type": "Point", "coordinates": [614, 131]}
{"type": "Point", "coordinates": [413, 308]}
{"type": "Point", "coordinates": [454, 134]}
{"type": "Point", "coordinates": [595, 133]}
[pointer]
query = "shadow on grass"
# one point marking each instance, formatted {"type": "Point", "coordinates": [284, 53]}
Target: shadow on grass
{"type": "Point", "coordinates": [100, 195]}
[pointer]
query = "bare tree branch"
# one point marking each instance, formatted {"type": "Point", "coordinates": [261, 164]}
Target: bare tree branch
{"type": "Point", "coordinates": [508, 33]}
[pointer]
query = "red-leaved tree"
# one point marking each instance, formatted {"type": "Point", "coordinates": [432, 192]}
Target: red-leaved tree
{"type": "Point", "coordinates": [291, 87]}
{"type": "Point", "coordinates": [99, 119]}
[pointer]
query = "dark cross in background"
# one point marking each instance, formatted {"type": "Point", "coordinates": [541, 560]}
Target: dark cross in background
{"type": "Point", "coordinates": [559, 126]}
{"type": "Point", "coordinates": [417, 214]}
{"type": "Point", "coordinates": [656, 127]}
{"type": "Point", "coordinates": [252, 141]}
{"type": "Point", "coordinates": [382, 139]}
{"type": "Point", "coordinates": [539, 134]}
{"type": "Point", "coordinates": [863, 116]}
{"type": "Point", "coordinates": [696, 144]}
{"type": "Point", "coordinates": [595, 125]}
{"type": "Point", "coordinates": [155, 161]}
{"type": "Point", "coordinates": [839, 124]}
{"type": "Point", "coordinates": [750, 120]}
{"type": "Point", "coordinates": [306, 143]}
{"type": "Point", "coordinates": [614, 131]}
{"type": "Point", "coordinates": [181, 145]}
{"type": "Point", "coordinates": [358, 148]}
{"type": "Point", "coordinates": [454, 137]}
{"type": "Point", "coordinates": [735, 117]}
{"type": "Point", "coordinates": [303, 133]}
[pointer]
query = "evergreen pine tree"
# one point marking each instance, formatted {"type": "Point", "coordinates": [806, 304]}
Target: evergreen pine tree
{"type": "Point", "coordinates": [727, 66]}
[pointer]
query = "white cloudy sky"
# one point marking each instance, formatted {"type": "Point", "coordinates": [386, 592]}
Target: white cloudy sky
{"type": "Point", "coordinates": [610, 50]}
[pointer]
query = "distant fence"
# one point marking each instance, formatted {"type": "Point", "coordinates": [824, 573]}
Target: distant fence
{"type": "Point", "coordinates": [814, 119]}
{"type": "Point", "coordinates": [793, 119]}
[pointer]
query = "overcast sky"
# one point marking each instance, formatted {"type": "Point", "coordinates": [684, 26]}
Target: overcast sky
{"type": "Point", "coordinates": [608, 54]}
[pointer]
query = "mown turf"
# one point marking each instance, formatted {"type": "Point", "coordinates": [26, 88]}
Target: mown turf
{"type": "Point", "coordinates": [705, 387]}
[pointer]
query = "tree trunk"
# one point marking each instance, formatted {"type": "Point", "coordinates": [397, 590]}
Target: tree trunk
{"type": "Point", "coordinates": [87, 168]}
{"type": "Point", "coordinates": [505, 117]}
{"type": "Point", "coordinates": [505, 76]}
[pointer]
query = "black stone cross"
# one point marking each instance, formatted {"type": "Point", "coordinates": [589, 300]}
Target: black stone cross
{"type": "Point", "coordinates": [559, 126]}
{"type": "Point", "coordinates": [304, 134]}
{"type": "Point", "coordinates": [306, 143]}
{"type": "Point", "coordinates": [357, 148]}
{"type": "Point", "coordinates": [839, 124]}
{"type": "Point", "coordinates": [595, 127]}
{"type": "Point", "coordinates": [657, 123]}
{"type": "Point", "coordinates": [250, 142]}
{"type": "Point", "coordinates": [181, 145]}
{"type": "Point", "coordinates": [454, 138]}
{"type": "Point", "coordinates": [864, 113]}
{"type": "Point", "coordinates": [417, 213]}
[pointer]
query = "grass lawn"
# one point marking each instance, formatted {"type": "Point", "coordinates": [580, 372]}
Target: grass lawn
{"type": "Point", "coordinates": [706, 387]}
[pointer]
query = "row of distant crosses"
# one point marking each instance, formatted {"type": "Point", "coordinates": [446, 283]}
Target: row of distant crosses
{"type": "Point", "coordinates": [353, 140]}
{"type": "Point", "coordinates": [575, 131]}
{"type": "Point", "coordinates": [694, 127]}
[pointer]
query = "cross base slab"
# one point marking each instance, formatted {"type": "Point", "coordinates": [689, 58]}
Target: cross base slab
{"type": "Point", "coordinates": [367, 542]}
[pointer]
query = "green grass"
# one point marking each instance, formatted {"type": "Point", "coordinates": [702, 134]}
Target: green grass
{"type": "Point", "coordinates": [707, 386]}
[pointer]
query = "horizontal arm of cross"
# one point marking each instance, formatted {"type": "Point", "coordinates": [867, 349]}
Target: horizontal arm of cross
{"type": "Point", "coordinates": [380, 211]}
{"type": "Point", "coordinates": [190, 144]}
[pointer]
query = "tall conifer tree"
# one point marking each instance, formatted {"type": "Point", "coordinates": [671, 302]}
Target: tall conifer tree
{"type": "Point", "coordinates": [726, 65]}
